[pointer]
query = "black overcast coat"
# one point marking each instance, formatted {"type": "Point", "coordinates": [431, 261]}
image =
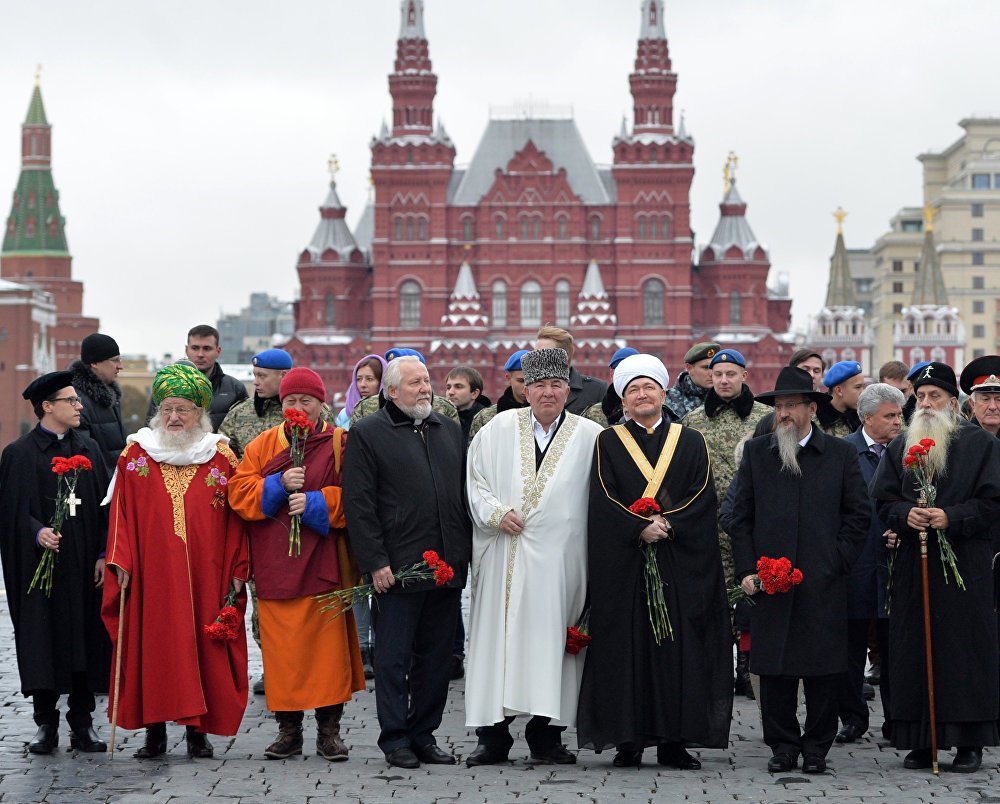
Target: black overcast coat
{"type": "Point", "coordinates": [101, 417]}
{"type": "Point", "coordinates": [818, 521]}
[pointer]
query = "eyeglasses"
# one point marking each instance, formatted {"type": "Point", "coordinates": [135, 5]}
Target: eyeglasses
{"type": "Point", "coordinates": [180, 411]}
{"type": "Point", "coordinates": [73, 400]}
{"type": "Point", "coordinates": [788, 405]}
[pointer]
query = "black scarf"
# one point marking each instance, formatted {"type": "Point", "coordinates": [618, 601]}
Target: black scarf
{"type": "Point", "coordinates": [742, 404]}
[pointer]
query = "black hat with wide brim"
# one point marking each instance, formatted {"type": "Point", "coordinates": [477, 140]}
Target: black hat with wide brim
{"type": "Point", "coordinates": [982, 374]}
{"type": "Point", "coordinates": [792, 381]}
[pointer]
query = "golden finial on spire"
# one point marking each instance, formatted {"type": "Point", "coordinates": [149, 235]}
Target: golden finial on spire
{"type": "Point", "coordinates": [38, 75]}
{"type": "Point", "coordinates": [929, 213]}
{"type": "Point", "coordinates": [333, 166]}
{"type": "Point", "coordinates": [840, 214]}
{"type": "Point", "coordinates": [729, 171]}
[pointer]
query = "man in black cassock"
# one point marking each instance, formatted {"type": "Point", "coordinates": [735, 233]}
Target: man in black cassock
{"type": "Point", "coordinates": [799, 495]}
{"type": "Point", "coordinates": [966, 466]}
{"type": "Point", "coordinates": [634, 692]}
{"type": "Point", "coordinates": [61, 643]}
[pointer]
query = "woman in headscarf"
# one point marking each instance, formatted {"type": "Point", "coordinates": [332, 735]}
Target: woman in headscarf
{"type": "Point", "coordinates": [366, 381]}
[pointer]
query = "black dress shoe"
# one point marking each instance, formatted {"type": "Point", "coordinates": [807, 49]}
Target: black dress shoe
{"type": "Point", "coordinates": [851, 733]}
{"type": "Point", "coordinates": [967, 760]}
{"type": "Point", "coordinates": [917, 758]}
{"type": "Point", "coordinates": [258, 686]}
{"type": "Point", "coordinates": [868, 692]}
{"type": "Point", "coordinates": [874, 676]}
{"type": "Point", "coordinates": [156, 742]}
{"type": "Point", "coordinates": [403, 758]}
{"type": "Point", "coordinates": [782, 763]}
{"type": "Point", "coordinates": [431, 754]}
{"type": "Point", "coordinates": [457, 668]}
{"type": "Point", "coordinates": [86, 740]}
{"type": "Point", "coordinates": [45, 740]}
{"type": "Point", "coordinates": [484, 756]}
{"type": "Point", "coordinates": [674, 755]}
{"type": "Point", "coordinates": [627, 759]}
{"type": "Point", "coordinates": [198, 745]}
{"type": "Point", "coordinates": [813, 763]}
{"type": "Point", "coordinates": [557, 755]}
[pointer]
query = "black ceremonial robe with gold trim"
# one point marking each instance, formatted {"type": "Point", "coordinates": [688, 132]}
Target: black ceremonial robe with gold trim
{"type": "Point", "coordinates": [635, 692]}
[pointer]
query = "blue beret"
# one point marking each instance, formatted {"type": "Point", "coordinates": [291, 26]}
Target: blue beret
{"type": "Point", "coordinates": [916, 368]}
{"type": "Point", "coordinates": [402, 351]}
{"type": "Point", "coordinates": [621, 354]}
{"type": "Point", "coordinates": [273, 359]}
{"type": "Point", "coordinates": [841, 371]}
{"type": "Point", "coordinates": [514, 361]}
{"type": "Point", "coordinates": [729, 356]}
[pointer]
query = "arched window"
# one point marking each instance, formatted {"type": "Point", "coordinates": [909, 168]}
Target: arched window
{"type": "Point", "coordinates": [531, 304]}
{"type": "Point", "coordinates": [561, 227]}
{"type": "Point", "coordinates": [735, 308]}
{"type": "Point", "coordinates": [536, 228]}
{"type": "Point", "coordinates": [916, 354]}
{"type": "Point", "coordinates": [499, 303]}
{"type": "Point", "coordinates": [524, 228]}
{"type": "Point", "coordinates": [399, 228]}
{"type": "Point", "coordinates": [467, 228]}
{"type": "Point", "coordinates": [409, 305]}
{"type": "Point", "coordinates": [330, 314]}
{"type": "Point", "coordinates": [422, 229]}
{"type": "Point", "coordinates": [562, 303]}
{"type": "Point", "coordinates": [642, 227]}
{"type": "Point", "coordinates": [595, 228]}
{"type": "Point", "coordinates": [652, 303]}
{"type": "Point", "coordinates": [409, 227]}
{"type": "Point", "coordinates": [665, 229]}
{"type": "Point", "coordinates": [499, 227]}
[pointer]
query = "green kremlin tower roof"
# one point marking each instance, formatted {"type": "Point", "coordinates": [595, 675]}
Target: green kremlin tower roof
{"type": "Point", "coordinates": [35, 226]}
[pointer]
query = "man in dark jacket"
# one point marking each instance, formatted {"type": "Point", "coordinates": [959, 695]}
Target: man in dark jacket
{"type": "Point", "coordinates": [94, 380]}
{"type": "Point", "coordinates": [799, 495]}
{"type": "Point", "coordinates": [584, 391]}
{"type": "Point", "coordinates": [404, 468]}
{"type": "Point", "coordinates": [464, 388]}
{"type": "Point", "coordinates": [880, 407]}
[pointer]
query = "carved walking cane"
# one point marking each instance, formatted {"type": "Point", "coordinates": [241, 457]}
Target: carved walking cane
{"type": "Point", "coordinates": [928, 653]}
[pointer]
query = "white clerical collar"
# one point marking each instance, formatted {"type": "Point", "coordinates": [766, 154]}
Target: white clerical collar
{"type": "Point", "coordinates": [805, 440]}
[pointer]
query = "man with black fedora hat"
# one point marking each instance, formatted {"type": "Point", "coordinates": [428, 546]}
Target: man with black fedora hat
{"type": "Point", "coordinates": [95, 382]}
{"type": "Point", "coordinates": [62, 647]}
{"type": "Point", "coordinates": [799, 495]}
{"type": "Point", "coordinates": [981, 381]}
{"type": "Point", "coordinates": [964, 463]}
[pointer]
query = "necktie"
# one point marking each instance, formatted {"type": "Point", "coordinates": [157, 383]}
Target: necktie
{"type": "Point", "coordinates": [878, 449]}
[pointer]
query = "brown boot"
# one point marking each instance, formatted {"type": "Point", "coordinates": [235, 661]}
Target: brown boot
{"type": "Point", "coordinates": [328, 742]}
{"type": "Point", "coordinates": [289, 742]}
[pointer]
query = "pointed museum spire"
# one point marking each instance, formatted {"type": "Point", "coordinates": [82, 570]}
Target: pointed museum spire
{"type": "Point", "coordinates": [593, 307]}
{"type": "Point", "coordinates": [929, 288]}
{"type": "Point", "coordinates": [840, 290]}
{"type": "Point", "coordinates": [332, 233]}
{"type": "Point", "coordinates": [464, 308]}
{"type": "Point", "coordinates": [412, 84]}
{"type": "Point", "coordinates": [653, 82]}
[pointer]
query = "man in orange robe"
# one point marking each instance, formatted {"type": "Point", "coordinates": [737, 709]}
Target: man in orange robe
{"type": "Point", "coordinates": [175, 549]}
{"type": "Point", "coordinates": [311, 661]}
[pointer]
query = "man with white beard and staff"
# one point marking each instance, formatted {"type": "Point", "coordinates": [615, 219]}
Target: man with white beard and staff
{"type": "Point", "coordinates": [964, 465]}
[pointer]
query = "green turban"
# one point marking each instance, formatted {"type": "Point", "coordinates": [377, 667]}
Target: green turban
{"type": "Point", "coordinates": [184, 382]}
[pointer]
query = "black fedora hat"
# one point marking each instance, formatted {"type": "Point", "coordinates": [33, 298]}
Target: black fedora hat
{"type": "Point", "coordinates": [791, 381]}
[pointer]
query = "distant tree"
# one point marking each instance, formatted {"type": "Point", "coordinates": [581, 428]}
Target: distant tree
{"type": "Point", "coordinates": [134, 404]}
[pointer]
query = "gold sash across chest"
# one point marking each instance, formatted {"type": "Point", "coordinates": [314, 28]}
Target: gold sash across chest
{"type": "Point", "coordinates": [654, 475]}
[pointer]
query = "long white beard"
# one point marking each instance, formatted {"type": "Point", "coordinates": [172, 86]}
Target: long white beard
{"type": "Point", "coordinates": [185, 438]}
{"type": "Point", "coordinates": [788, 448]}
{"type": "Point", "coordinates": [939, 425]}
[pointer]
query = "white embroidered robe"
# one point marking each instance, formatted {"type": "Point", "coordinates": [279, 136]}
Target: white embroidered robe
{"type": "Point", "coordinates": [527, 589]}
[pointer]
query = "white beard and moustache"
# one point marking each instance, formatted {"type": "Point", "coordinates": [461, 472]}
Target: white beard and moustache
{"type": "Point", "coordinates": [938, 425]}
{"type": "Point", "coordinates": [185, 438]}
{"type": "Point", "coordinates": [418, 412]}
{"type": "Point", "coordinates": [788, 448]}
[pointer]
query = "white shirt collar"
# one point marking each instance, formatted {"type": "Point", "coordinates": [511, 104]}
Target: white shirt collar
{"type": "Point", "coordinates": [805, 440]}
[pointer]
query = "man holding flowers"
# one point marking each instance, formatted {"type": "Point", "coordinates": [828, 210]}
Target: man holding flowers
{"type": "Point", "coordinates": [961, 462]}
{"type": "Point", "coordinates": [288, 488]}
{"type": "Point", "coordinates": [60, 641]}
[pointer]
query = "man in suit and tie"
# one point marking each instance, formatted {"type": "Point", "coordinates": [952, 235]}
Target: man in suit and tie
{"type": "Point", "coordinates": [880, 408]}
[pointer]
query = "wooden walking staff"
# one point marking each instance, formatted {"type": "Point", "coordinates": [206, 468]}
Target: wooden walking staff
{"type": "Point", "coordinates": [118, 673]}
{"type": "Point", "coordinates": [928, 652]}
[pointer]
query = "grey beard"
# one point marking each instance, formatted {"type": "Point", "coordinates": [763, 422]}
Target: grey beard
{"type": "Point", "coordinates": [788, 449]}
{"type": "Point", "coordinates": [418, 412]}
{"type": "Point", "coordinates": [184, 439]}
{"type": "Point", "coordinates": [938, 425]}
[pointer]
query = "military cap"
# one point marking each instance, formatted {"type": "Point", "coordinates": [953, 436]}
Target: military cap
{"type": "Point", "coordinates": [701, 351]}
{"type": "Point", "coordinates": [939, 374]}
{"type": "Point", "coordinates": [728, 356]}
{"type": "Point", "coordinates": [841, 371]}
{"type": "Point", "coordinates": [982, 374]}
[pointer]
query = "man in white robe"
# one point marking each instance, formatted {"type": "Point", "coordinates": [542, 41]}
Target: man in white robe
{"type": "Point", "coordinates": [528, 487]}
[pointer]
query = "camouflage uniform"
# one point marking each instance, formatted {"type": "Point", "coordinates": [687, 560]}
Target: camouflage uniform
{"type": "Point", "coordinates": [438, 404]}
{"type": "Point", "coordinates": [685, 396]}
{"type": "Point", "coordinates": [596, 414]}
{"type": "Point", "coordinates": [834, 423]}
{"type": "Point", "coordinates": [723, 430]}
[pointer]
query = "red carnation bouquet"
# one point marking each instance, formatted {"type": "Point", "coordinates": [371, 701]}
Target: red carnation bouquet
{"type": "Point", "coordinates": [299, 428]}
{"type": "Point", "coordinates": [578, 636]}
{"type": "Point", "coordinates": [227, 626]}
{"type": "Point", "coordinates": [656, 603]}
{"type": "Point", "coordinates": [67, 471]}
{"type": "Point", "coordinates": [775, 576]}
{"type": "Point", "coordinates": [432, 567]}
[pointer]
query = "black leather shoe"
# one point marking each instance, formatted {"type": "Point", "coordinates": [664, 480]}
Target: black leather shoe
{"type": "Point", "coordinates": [782, 763]}
{"type": "Point", "coordinates": [403, 758]}
{"type": "Point", "coordinates": [675, 756]}
{"type": "Point", "coordinates": [156, 742]}
{"type": "Point", "coordinates": [198, 745]}
{"type": "Point", "coordinates": [868, 692]}
{"type": "Point", "coordinates": [851, 733]}
{"type": "Point", "coordinates": [874, 676]}
{"type": "Point", "coordinates": [431, 754]}
{"type": "Point", "coordinates": [627, 759]}
{"type": "Point", "coordinates": [86, 740]}
{"type": "Point", "coordinates": [557, 755]}
{"type": "Point", "coordinates": [967, 760]}
{"type": "Point", "coordinates": [45, 740]}
{"type": "Point", "coordinates": [258, 686]}
{"type": "Point", "coordinates": [813, 763]}
{"type": "Point", "coordinates": [483, 756]}
{"type": "Point", "coordinates": [917, 758]}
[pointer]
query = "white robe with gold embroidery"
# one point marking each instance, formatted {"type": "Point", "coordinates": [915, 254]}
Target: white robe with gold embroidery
{"type": "Point", "coordinates": [527, 590]}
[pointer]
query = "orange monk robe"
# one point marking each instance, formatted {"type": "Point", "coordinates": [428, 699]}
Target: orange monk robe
{"type": "Point", "coordinates": [310, 660]}
{"type": "Point", "coordinates": [171, 529]}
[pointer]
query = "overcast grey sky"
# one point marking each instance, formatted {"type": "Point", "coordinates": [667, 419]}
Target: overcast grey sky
{"type": "Point", "coordinates": [191, 138]}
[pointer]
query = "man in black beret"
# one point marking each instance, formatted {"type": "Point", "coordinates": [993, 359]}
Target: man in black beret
{"type": "Point", "coordinates": [95, 380]}
{"type": "Point", "coordinates": [61, 643]}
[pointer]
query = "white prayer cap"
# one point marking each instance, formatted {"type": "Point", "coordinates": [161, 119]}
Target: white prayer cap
{"type": "Point", "coordinates": [640, 366]}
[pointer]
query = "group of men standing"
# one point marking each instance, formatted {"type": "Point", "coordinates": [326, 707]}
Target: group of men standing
{"type": "Point", "coordinates": [535, 499]}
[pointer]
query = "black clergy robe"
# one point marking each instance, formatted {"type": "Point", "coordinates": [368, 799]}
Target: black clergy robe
{"type": "Point", "coordinates": [635, 692]}
{"type": "Point", "coordinates": [60, 635]}
{"type": "Point", "coordinates": [963, 624]}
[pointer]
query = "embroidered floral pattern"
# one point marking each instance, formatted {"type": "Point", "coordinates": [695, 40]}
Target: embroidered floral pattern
{"type": "Point", "coordinates": [178, 479]}
{"type": "Point", "coordinates": [216, 478]}
{"type": "Point", "coordinates": [139, 465]}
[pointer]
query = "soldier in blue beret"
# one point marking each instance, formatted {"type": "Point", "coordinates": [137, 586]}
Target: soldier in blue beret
{"type": "Point", "coordinates": [845, 381]}
{"type": "Point", "coordinates": [512, 397]}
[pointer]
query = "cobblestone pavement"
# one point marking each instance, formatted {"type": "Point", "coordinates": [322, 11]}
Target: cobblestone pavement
{"type": "Point", "coordinates": [866, 771]}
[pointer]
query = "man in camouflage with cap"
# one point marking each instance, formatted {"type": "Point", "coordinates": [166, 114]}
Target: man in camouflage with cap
{"type": "Point", "coordinates": [368, 406]}
{"type": "Point", "coordinates": [845, 381]}
{"type": "Point", "coordinates": [511, 398]}
{"type": "Point", "coordinates": [248, 419]}
{"type": "Point", "coordinates": [693, 383]}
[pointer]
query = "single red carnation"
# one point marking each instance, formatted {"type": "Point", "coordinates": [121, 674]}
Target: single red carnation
{"type": "Point", "coordinates": [230, 616]}
{"type": "Point", "coordinates": [61, 466]}
{"type": "Point", "coordinates": [432, 559]}
{"type": "Point", "coordinates": [80, 463]}
{"type": "Point", "coordinates": [576, 641]}
{"type": "Point", "coordinates": [443, 573]}
{"type": "Point", "coordinates": [927, 442]}
{"type": "Point", "coordinates": [217, 631]}
{"type": "Point", "coordinates": [645, 506]}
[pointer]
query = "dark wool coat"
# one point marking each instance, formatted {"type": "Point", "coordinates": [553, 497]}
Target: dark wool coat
{"type": "Point", "coordinates": [819, 522]}
{"type": "Point", "coordinates": [101, 417]}
{"type": "Point", "coordinates": [583, 392]}
{"type": "Point", "coordinates": [404, 494]}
